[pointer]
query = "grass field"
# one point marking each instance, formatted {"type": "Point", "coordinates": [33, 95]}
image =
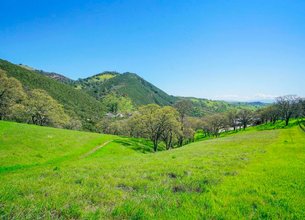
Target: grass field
{"type": "Point", "coordinates": [48, 173]}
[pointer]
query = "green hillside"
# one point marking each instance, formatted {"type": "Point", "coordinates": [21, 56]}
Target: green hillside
{"type": "Point", "coordinates": [59, 174]}
{"type": "Point", "coordinates": [204, 107]}
{"type": "Point", "coordinates": [142, 92]}
{"type": "Point", "coordinates": [131, 85]}
{"type": "Point", "coordinates": [128, 85]}
{"type": "Point", "coordinates": [76, 102]}
{"type": "Point", "coordinates": [56, 76]}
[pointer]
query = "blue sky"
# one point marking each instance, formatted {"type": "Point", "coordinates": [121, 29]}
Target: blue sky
{"type": "Point", "coordinates": [229, 49]}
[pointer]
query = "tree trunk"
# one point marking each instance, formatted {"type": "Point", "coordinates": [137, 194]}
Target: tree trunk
{"type": "Point", "coordinates": [180, 141]}
{"type": "Point", "coordinates": [155, 145]}
{"type": "Point", "coordinates": [286, 121]}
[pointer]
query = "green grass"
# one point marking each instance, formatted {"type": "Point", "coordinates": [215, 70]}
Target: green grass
{"type": "Point", "coordinates": [249, 175]}
{"type": "Point", "coordinates": [199, 135]}
{"type": "Point", "coordinates": [25, 145]}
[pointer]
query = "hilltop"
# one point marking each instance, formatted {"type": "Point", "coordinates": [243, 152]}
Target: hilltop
{"type": "Point", "coordinates": [136, 88]}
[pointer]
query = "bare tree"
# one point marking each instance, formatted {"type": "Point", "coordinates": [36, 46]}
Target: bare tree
{"type": "Point", "coordinates": [232, 117]}
{"type": "Point", "coordinates": [269, 113]}
{"type": "Point", "coordinates": [245, 117]}
{"type": "Point", "coordinates": [215, 124]}
{"type": "Point", "coordinates": [302, 107]}
{"type": "Point", "coordinates": [287, 106]}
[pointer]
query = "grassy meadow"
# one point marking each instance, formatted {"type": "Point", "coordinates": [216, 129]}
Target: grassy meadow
{"type": "Point", "coordinates": [48, 173]}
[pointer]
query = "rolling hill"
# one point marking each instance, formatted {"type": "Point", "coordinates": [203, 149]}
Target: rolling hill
{"type": "Point", "coordinates": [137, 89]}
{"type": "Point", "coordinates": [142, 92]}
{"type": "Point", "coordinates": [76, 102]}
{"type": "Point", "coordinates": [83, 96]}
{"type": "Point", "coordinates": [60, 174]}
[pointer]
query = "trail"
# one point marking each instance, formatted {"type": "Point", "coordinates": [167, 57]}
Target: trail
{"type": "Point", "coordinates": [95, 149]}
{"type": "Point", "coordinates": [55, 161]}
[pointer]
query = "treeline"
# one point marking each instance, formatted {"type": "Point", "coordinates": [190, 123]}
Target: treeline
{"type": "Point", "coordinates": [285, 108]}
{"type": "Point", "coordinates": [34, 106]}
{"type": "Point", "coordinates": [174, 127]}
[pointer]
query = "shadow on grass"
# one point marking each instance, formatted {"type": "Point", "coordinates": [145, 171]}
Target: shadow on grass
{"type": "Point", "coordinates": [139, 145]}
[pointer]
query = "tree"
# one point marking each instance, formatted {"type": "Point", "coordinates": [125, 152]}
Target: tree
{"type": "Point", "coordinates": [115, 103]}
{"type": "Point", "coordinates": [301, 107]}
{"type": "Point", "coordinates": [267, 114]}
{"type": "Point", "coordinates": [232, 117]}
{"type": "Point", "coordinates": [215, 124]}
{"type": "Point", "coordinates": [134, 126]}
{"type": "Point", "coordinates": [184, 107]}
{"type": "Point", "coordinates": [11, 93]}
{"type": "Point", "coordinates": [172, 126]}
{"type": "Point", "coordinates": [73, 124]}
{"type": "Point", "coordinates": [156, 123]}
{"type": "Point", "coordinates": [44, 110]}
{"type": "Point", "coordinates": [150, 124]}
{"type": "Point", "coordinates": [245, 117]}
{"type": "Point", "coordinates": [272, 113]}
{"type": "Point", "coordinates": [206, 128]}
{"type": "Point", "coordinates": [188, 134]}
{"type": "Point", "coordinates": [195, 123]}
{"type": "Point", "coordinates": [18, 113]}
{"type": "Point", "coordinates": [287, 106]}
{"type": "Point", "coordinates": [301, 112]}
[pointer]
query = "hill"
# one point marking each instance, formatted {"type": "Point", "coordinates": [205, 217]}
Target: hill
{"type": "Point", "coordinates": [142, 92]}
{"type": "Point", "coordinates": [131, 85]}
{"type": "Point", "coordinates": [76, 103]}
{"type": "Point", "coordinates": [54, 173]}
{"type": "Point", "coordinates": [52, 75]}
{"type": "Point", "coordinates": [203, 107]}
{"type": "Point", "coordinates": [56, 76]}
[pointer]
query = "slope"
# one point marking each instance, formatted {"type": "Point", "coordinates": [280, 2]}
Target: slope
{"type": "Point", "coordinates": [142, 92]}
{"type": "Point", "coordinates": [52, 75]}
{"type": "Point", "coordinates": [56, 76]}
{"type": "Point", "coordinates": [83, 105]}
{"type": "Point", "coordinates": [253, 174]}
{"type": "Point", "coordinates": [137, 89]}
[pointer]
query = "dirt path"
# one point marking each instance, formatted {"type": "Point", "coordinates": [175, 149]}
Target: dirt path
{"type": "Point", "coordinates": [95, 149]}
